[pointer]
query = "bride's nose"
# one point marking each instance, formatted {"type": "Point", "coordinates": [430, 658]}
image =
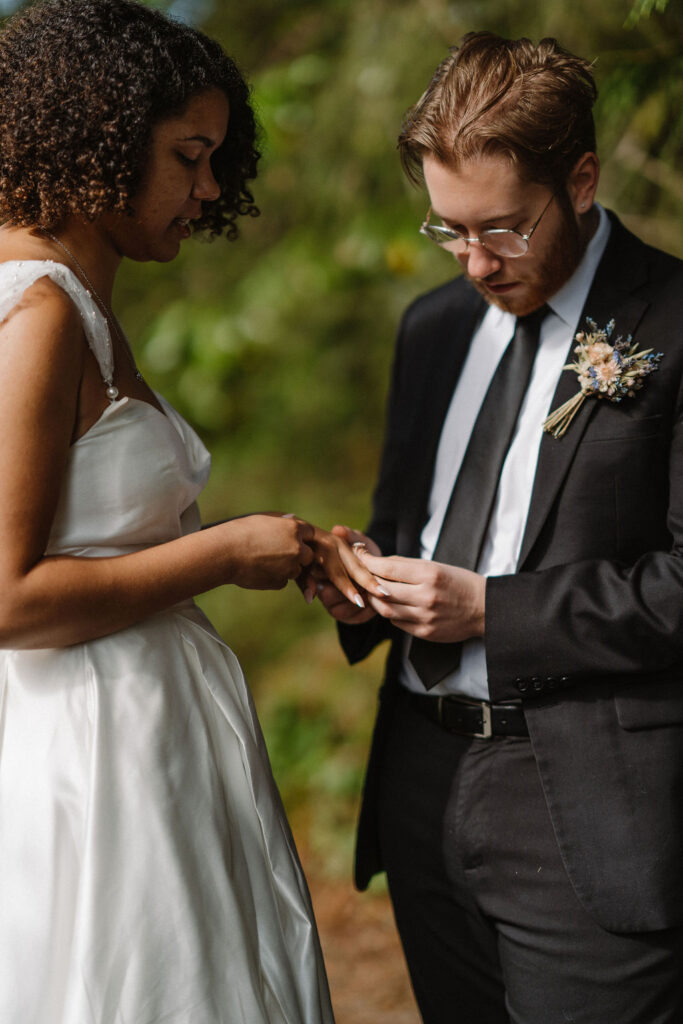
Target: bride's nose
{"type": "Point", "coordinates": [206, 188]}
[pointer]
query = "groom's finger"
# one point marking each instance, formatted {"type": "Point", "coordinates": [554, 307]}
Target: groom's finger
{"type": "Point", "coordinates": [394, 567]}
{"type": "Point", "coordinates": [403, 595]}
{"type": "Point", "coordinates": [389, 608]}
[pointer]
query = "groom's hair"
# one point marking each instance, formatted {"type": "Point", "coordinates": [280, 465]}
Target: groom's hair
{"type": "Point", "coordinates": [504, 97]}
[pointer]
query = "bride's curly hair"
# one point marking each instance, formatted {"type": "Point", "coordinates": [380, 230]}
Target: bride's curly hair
{"type": "Point", "coordinates": [83, 84]}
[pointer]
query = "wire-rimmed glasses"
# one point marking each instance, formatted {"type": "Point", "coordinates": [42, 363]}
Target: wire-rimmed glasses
{"type": "Point", "coordinates": [499, 241]}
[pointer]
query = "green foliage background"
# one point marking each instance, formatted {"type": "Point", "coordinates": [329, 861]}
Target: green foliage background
{"type": "Point", "coordinates": [277, 347]}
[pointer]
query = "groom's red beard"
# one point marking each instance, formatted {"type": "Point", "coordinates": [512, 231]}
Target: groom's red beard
{"type": "Point", "coordinates": [540, 274]}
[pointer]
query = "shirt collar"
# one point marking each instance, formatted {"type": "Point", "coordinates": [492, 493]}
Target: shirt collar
{"type": "Point", "coordinates": [569, 301]}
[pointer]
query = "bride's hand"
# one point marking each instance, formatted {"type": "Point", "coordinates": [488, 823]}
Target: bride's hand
{"type": "Point", "coordinates": [335, 561]}
{"type": "Point", "coordinates": [265, 551]}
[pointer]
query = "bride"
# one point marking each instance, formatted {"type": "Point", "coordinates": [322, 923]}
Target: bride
{"type": "Point", "coordinates": [147, 872]}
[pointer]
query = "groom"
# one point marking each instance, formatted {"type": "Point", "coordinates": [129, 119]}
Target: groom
{"type": "Point", "coordinates": [525, 787]}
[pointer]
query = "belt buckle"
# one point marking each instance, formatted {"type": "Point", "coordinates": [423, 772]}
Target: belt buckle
{"type": "Point", "coordinates": [486, 730]}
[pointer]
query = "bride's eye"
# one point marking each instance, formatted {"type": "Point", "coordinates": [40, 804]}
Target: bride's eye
{"type": "Point", "coordinates": [187, 161]}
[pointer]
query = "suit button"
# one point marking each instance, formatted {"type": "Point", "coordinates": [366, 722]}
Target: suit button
{"type": "Point", "coordinates": [522, 685]}
{"type": "Point", "coordinates": [552, 682]}
{"type": "Point", "coordinates": [564, 679]}
{"type": "Point", "coordinates": [538, 684]}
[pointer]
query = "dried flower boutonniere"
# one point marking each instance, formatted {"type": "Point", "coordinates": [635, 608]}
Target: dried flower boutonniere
{"type": "Point", "coordinates": [606, 369]}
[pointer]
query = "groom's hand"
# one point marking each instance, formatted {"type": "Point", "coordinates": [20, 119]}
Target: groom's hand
{"type": "Point", "coordinates": [430, 600]}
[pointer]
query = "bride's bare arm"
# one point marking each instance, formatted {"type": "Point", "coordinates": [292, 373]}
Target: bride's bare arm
{"type": "Point", "coordinates": [57, 601]}
{"type": "Point", "coordinates": [60, 601]}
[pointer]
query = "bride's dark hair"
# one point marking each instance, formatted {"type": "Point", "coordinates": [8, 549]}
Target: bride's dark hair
{"type": "Point", "coordinates": [82, 85]}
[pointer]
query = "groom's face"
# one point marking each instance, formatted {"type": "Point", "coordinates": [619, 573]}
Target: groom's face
{"type": "Point", "coordinates": [487, 192]}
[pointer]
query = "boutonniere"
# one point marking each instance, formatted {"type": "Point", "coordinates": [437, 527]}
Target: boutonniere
{"type": "Point", "coordinates": [606, 369]}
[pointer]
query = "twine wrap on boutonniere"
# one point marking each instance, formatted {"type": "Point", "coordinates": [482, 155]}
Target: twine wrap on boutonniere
{"type": "Point", "coordinates": [606, 369]}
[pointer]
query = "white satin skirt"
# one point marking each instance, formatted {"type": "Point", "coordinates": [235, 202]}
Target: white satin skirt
{"type": "Point", "coordinates": [147, 871]}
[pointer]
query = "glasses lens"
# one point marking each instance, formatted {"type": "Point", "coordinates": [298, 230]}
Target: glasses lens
{"type": "Point", "coordinates": [504, 243]}
{"type": "Point", "coordinates": [443, 237]}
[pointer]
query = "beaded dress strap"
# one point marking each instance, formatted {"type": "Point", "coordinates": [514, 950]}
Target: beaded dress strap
{"type": "Point", "coordinates": [18, 275]}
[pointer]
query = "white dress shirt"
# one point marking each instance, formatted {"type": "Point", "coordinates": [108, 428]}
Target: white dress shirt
{"type": "Point", "coordinates": [503, 540]}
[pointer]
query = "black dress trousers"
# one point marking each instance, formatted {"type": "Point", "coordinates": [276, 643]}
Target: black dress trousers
{"type": "Point", "coordinates": [491, 927]}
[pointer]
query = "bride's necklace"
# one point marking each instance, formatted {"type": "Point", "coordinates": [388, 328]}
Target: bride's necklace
{"type": "Point", "coordinates": [112, 392]}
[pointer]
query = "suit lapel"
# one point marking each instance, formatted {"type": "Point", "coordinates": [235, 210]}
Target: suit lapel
{"type": "Point", "coordinates": [620, 272]}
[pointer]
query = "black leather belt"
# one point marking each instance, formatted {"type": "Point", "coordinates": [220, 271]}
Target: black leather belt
{"type": "Point", "coordinates": [471, 717]}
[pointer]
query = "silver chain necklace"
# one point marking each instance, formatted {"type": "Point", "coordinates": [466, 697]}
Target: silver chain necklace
{"type": "Point", "coordinates": [112, 392]}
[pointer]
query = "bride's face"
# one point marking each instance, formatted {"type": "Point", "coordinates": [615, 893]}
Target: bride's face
{"type": "Point", "coordinates": [178, 179]}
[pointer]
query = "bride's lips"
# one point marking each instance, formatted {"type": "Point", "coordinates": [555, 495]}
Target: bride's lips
{"type": "Point", "coordinates": [183, 225]}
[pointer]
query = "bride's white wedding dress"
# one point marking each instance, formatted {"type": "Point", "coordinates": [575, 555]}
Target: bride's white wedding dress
{"type": "Point", "coordinates": [147, 871]}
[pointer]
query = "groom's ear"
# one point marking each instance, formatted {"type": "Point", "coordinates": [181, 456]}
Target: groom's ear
{"type": "Point", "coordinates": [582, 183]}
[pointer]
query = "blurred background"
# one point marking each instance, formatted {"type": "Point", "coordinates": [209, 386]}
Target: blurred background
{"type": "Point", "coordinates": [277, 347]}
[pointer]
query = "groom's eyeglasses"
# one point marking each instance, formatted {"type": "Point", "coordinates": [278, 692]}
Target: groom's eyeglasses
{"type": "Point", "coordinates": [499, 241]}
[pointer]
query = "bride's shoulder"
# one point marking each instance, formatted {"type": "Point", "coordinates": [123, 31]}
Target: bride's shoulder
{"type": "Point", "coordinates": [33, 295]}
{"type": "Point", "coordinates": [28, 276]}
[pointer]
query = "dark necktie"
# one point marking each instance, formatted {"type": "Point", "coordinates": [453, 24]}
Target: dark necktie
{"type": "Point", "coordinates": [471, 502]}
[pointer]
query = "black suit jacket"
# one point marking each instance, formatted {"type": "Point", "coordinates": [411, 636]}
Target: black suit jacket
{"type": "Point", "coordinates": [588, 632]}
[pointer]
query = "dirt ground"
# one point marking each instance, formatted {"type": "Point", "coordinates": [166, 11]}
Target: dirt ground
{"type": "Point", "coordinates": [365, 965]}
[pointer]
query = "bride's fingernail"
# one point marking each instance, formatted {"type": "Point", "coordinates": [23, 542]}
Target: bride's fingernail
{"type": "Point", "coordinates": [383, 592]}
{"type": "Point", "coordinates": [359, 601]}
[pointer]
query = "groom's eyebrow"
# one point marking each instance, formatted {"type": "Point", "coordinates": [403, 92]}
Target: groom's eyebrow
{"type": "Point", "coordinates": [491, 218]}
